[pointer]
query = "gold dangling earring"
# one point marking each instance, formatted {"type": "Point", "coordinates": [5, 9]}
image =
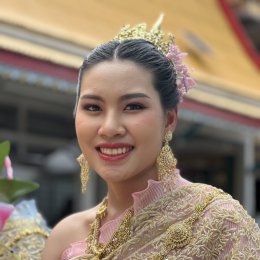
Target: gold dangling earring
{"type": "Point", "coordinates": [166, 162]}
{"type": "Point", "coordinates": [84, 174]}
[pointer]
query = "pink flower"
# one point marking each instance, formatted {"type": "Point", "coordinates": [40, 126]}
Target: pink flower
{"type": "Point", "coordinates": [9, 169]}
{"type": "Point", "coordinates": [5, 211]}
{"type": "Point", "coordinates": [184, 80]}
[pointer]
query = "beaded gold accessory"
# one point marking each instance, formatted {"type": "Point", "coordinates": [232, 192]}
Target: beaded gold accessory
{"type": "Point", "coordinates": [166, 162]}
{"type": "Point", "coordinates": [165, 44]}
{"type": "Point", "coordinates": [119, 237]}
{"type": "Point", "coordinates": [84, 173]}
{"type": "Point", "coordinates": [179, 234]}
{"type": "Point", "coordinates": [17, 234]}
{"type": "Point", "coordinates": [155, 35]}
{"type": "Point", "coordinates": [22, 234]}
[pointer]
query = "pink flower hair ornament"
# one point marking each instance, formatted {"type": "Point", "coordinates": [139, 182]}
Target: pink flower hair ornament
{"type": "Point", "coordinates": [184, 81]}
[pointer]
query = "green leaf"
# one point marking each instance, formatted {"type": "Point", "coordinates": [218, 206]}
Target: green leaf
{"type": "Point", "coordinates": [4, 151]}
{"type": "Point", "coordinates": [10, 190]}
{"type": "Point", "coordinates": [3, 198]}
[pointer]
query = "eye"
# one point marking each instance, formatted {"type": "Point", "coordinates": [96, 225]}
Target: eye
{"type": "Point", "coordinates": [92, 108]}
{"type": "Point", "coordinates": [134, 106]}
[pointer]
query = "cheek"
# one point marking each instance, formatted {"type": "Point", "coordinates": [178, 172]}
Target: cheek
{"type": "Point", "coordinates": [151, 120]}
{"type": "Point", "coordinates": [82, 127]}
{"type": "Point", "coordinates": [149, 126]}
{"type": "Point", "coordinates": [79, 123]}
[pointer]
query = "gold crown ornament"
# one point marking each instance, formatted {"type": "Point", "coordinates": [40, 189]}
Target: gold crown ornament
{"type": "Point", "coordinates": [155, 35]}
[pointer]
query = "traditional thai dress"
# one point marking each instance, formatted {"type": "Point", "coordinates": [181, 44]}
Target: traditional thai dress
{"type": "Point", "coordinates": [188, 221]}
{"type": "Point", "coordinates": [24, 234]}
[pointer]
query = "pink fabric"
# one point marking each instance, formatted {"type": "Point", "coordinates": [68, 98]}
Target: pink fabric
{"type": "Point", "coordinates": [153, 191]}
{"type": "Point", "coordinates": [76, 249]}
{"type": "Point", "coordinates": [5, 212]}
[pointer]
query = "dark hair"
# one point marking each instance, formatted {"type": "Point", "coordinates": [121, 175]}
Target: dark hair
{"type": "Point", "coordinates": [143, 53]}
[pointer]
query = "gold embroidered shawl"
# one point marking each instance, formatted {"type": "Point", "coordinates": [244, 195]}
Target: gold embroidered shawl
{"type": "Point", "coordinates": [24, 234]}
{"type": "Point", "coordinates": [222, 230]}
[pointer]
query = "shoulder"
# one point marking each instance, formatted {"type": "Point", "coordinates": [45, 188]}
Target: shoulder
{"type": "Point", "coordinates": [71, 229]}
{"type": "Point", "coordinates": [197, 192]}
{"type": "Point", "coordinates": [220, 224]}
{"type": "Point", "coordinates": [227, 223]}
{"type": "Point", "coordinates": [218, 200]}
{"type": "Point", "coordinates": [218, 204]}
{"type": "Point", "coordinates": [224, 210]}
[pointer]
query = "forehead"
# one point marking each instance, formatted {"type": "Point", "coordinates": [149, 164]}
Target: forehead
{"type": "Point", "coordinates": [119, 75]}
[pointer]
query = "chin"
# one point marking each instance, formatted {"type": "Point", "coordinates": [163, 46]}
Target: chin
{"type": "Point", "coordinates": [113, 175]}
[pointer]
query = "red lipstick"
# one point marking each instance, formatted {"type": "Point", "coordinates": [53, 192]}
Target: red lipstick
{"type": "Point", "coordinates": [113, 151]}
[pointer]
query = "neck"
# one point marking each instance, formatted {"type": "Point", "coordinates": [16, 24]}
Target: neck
{"type": "Point", "coordinates": [120, 194]}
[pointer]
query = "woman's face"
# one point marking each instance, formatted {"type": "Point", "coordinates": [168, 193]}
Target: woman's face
{"type": "Point", "coordinates": [120, 123]}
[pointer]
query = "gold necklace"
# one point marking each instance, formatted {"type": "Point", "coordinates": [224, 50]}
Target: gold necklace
{"type": "Point", "coordinates": [119, 237]}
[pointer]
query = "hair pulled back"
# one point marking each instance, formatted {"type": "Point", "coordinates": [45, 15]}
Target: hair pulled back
{"type": "Point", "coordinates": [143, 53]}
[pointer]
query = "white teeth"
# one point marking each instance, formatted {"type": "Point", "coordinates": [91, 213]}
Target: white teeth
{"type": "Point", "coordinates": [116, 151]}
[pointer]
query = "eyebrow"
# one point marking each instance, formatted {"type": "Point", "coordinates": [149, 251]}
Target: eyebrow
{"type": "Point", "coordinates": [124, 97]}
{"type": "Point", "coordinates": [133, 95]}
{"type": "Point", "coordinates": [89, 96]}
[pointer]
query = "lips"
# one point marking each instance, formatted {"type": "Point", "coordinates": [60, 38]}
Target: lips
{"type": "Point", "coordinates": [114, 151]}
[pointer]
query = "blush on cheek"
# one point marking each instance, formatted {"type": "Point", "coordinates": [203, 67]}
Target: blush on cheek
{"type": "Point", "coordinates": [150, 120]}
{"type": "Point", "coordinates": [79, 120]}
{"type": "Point", "coordinates": [79, 127]}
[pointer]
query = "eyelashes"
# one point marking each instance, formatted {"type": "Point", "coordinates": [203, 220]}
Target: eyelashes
{"type": "Point", "coordinates": [128, 107]}
{"type": "Point", "coordinates": [134, 106]}
{"type": "Point", "coordinates": [91, 108]}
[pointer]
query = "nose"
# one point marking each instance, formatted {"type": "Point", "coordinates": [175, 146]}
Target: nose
{"type": "Point", "coordinates": [111, 126]}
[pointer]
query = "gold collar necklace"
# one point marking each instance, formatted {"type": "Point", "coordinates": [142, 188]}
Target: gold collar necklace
{"type": "Point", "coordinates": [119, 237]}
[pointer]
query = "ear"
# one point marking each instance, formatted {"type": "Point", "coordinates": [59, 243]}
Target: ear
{"type": "Point", "coordinates": [171, 119]}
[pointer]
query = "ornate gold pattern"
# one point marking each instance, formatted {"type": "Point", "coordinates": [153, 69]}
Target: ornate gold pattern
{"type": "Point", "coordinates": [84, 174]}
{"type": "Point", "coordinates": [119, 237]}
{"type": "Point", "coordinates": [179, 235]}
{"type": "Point", "coordinates": [155, 35]}
{"type": "Point", "coordinates": [24, 238]}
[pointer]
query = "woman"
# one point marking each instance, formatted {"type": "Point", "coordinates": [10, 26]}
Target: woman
{"type": "Point", "coordinates": [126, 111]}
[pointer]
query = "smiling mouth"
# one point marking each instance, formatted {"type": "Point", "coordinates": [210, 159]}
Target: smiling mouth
{"type": "Point", "coordinates": [114, 151]}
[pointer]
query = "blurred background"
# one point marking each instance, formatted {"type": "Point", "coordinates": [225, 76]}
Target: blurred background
{"type": "Point", "coordinates": [217, 141]}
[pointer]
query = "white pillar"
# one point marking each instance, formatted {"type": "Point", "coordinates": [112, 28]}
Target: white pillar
{"type": "Point", "coordinates": [249, 176]}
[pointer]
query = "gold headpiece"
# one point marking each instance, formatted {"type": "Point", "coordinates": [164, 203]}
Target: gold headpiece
{"type": "Point", "coordinates": [155, 35]}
